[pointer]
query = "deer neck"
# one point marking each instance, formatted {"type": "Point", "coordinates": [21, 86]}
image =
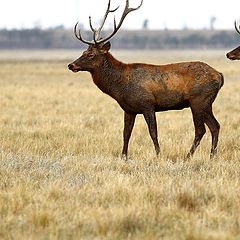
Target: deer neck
{"type": "Point", "coordinates": [109, 76]}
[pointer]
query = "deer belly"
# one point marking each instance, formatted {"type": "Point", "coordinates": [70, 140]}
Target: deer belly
{"type": "Point", "coordinates": [161, 100]}
{"type": "Point", "coordinates": [170, 100]}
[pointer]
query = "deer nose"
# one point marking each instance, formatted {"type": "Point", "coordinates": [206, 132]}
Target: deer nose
{"type": "Point", "coordinates": [70, 66]}
{"type": "Point", "coordinates": [227, 55]}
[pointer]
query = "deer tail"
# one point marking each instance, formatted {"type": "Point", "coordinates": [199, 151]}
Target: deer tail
{"type": "Point", "coordinates": [221, 80]}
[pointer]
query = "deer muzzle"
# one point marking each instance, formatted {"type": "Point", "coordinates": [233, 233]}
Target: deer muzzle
{"type": "Point", "coordinates": [73, 67]}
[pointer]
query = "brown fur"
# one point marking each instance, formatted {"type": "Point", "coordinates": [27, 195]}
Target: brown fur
{"type": "Point", "coordinates": [145, 89]}
{"type": "Point", "coordinates": [234, 54]}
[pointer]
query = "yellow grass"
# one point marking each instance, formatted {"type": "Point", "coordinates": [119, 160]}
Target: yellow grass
{"type": "Point", "coordinates": [61, 176]}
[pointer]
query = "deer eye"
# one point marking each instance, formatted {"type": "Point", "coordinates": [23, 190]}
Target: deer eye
{"type": "Point", "coordinates": [91, 55]}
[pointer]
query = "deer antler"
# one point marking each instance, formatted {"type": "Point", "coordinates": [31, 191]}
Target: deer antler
{"type": "Point", "coordinates": [96, 33]}
{"type": "Point", "coordinates": [125, 13]}
{"type": "Point", "coordinates": [237, 28]}
{"type": "Point", "coordinates": [79, 37]}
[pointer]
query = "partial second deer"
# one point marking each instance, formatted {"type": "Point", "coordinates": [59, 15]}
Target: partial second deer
{"type": "Point", "coordinates": [235, 53]}
{"type": "Point", "coordinates": [146, 89]}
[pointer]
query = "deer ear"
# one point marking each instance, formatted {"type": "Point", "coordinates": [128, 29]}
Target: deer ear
{"type": "Point", "coordinates": [106, 47]}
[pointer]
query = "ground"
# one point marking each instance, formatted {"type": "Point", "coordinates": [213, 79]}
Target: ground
{"type": "Point", "coordinates": [61, 175]}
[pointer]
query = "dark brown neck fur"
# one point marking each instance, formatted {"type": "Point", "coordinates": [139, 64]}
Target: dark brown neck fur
{"type": "Point", "coordinates": [109, 76]}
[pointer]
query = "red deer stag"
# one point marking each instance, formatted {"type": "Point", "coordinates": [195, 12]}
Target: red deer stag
{"type": "Point", "coordinates": [235, 53]}
{"type": "Point", "coordinates": [145, 88]}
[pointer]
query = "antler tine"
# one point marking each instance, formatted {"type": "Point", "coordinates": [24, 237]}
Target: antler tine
{"type": "Point", "coordinates": [235, 25]}
{"type": "Point", "coordinates": [96, 33]}
{"type": "Point", "coordinates": [133, 9]}
{"type": "Point", "coordinates": [90, 23]}
{"type": "Point", "coordinates": [79, 37]}
{"type": "Point", "coordinates": [125, 13]}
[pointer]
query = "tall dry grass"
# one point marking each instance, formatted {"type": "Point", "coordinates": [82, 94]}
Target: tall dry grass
{"type": "Point", "coordinates": [61, 176]}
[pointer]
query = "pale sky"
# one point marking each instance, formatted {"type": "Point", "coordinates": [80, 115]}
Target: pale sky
{"type": "Point", "coordinates": [173, 14]}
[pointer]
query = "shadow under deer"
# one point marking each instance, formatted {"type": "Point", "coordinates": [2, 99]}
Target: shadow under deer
{"type": "Point", "coordinates": [145, 88]}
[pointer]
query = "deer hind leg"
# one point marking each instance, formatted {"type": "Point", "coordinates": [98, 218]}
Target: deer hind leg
{"type": "Point", "coordinates": [150, 118]}
{"type": "Point", "coordinates": [214, 127]}
{"type": "Point", "coordinates": [198, 120]}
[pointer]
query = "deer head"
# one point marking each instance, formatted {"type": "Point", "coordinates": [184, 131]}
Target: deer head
{"type": "Point", "coordinates": [97, 50]}
{"type": "Point", "coordinates": [235, 53]}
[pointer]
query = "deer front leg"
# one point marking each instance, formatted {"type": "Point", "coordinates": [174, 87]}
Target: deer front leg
{"type": "Point", "coordinates": [150, 118]}
{"type": "Point", "coordinates": [129, 120]}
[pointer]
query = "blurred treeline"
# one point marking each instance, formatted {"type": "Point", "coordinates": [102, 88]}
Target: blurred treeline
{"type": "Point", "coordinates": [125, 39]}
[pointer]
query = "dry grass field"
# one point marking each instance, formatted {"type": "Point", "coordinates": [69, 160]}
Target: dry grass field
{"type": "Point", "coordinates": [61, 175]}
